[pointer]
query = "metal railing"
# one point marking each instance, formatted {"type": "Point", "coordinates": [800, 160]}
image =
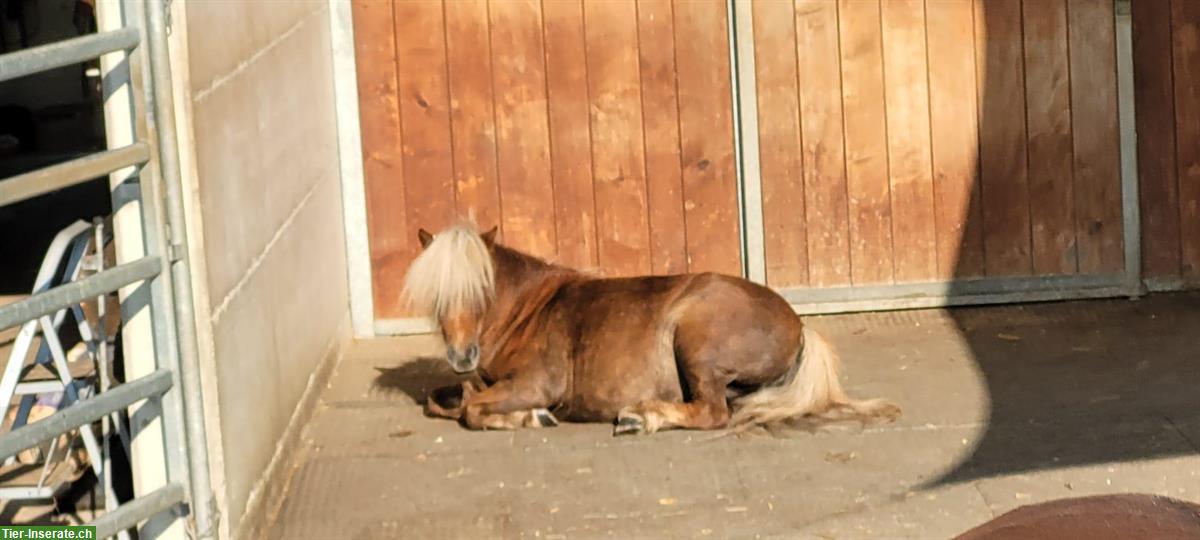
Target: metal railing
{"type": "Point", "coordinates": [188, 490]}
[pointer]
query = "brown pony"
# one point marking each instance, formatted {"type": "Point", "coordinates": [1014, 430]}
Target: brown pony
{"type": "Point", "coordinates": [698, 351]}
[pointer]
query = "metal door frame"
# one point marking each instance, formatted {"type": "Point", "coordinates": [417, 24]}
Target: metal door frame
{"type": "Point", "coordinates": [987, 290]}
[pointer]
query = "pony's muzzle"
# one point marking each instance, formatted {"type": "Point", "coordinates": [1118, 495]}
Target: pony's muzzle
{"type": "Point", "coordinates": [463, 361]}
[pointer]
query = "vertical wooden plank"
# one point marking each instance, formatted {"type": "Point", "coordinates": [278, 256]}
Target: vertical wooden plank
{"type": "Point", "coordinates": [1185, 15]}
{"type": "Point", "coordinates": [1096, 138]}
{"type": "Point", "coordinates": [1002, 152]}
{"type": "Point", "coordinates": [660, 118]}
{"type": "Point", "coordinates": [706, 134]}
{"type": "Point", "coordinates": [424, 114]}
{"type": "Point", "coordinates": [781, 165]}
{"type": "Point", "coordinates": [379, 120]}
{"type": "Point", "coordinates": [869, 193]}
{"type": "Point", "coordinates": [822, 143]}
{"type": "Point", "coordinates": [618, 158]}
{"type": "Point", "coordinates": [570, 139]}
{"type": "Point", "coordinates": [910, 162]}
{"type": "Point", "coordinates": [472, 118]}
{"type": "Point", "coordinates": [522, 126]}
{"type": "Point", "coordinates": [1154, 103]}
{"type": "Point", "coordinates": [1048, 113]}
{"type": "Point", "coordinates": [954, 129]}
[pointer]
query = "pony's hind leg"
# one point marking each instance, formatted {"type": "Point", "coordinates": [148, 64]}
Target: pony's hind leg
{"type": "Point", "coordinates": [650, 416]}
{"type": "Point", "coordinates": [532, 418]}
{"type": "Point", "coordinates": [706, 410]}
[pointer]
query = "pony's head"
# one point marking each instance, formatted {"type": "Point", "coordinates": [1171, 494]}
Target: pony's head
{"type": "Point", "coordinates": [453, 280]}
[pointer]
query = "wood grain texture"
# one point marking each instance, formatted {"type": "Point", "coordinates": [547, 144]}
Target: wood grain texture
{"type": "Point", "coordinates": [618, 155]}
{"type": "Point", "coordinates": [914, 222]}
{"type": "Point", "coordinates": [822, 143]}
{"type": "Point", "coordinates": [706, 136]}
{"type": "Point", "coordinates": [522, 126]}
{"type": "Point", "coordinates": [1154, 104]}
{"type": "Point", "coordinates": [954, 130]}
{"type": "Point", "coordinates": [1185, 15]}
{"type": "Point", "coordinates": [780, 162]}
{"type": "Point", "coordinates": [868, 188]}
{"type": "Point", "coordinates": [1002, 151]}
{"type": "Point", "coordinates": [1096, 137]}
{"type": "Point", "coordinates": [1048, 113]}
{"type": "Point", "coordinates": [472, 117]}
{"type": "Point", "coordinates": [379, 120]}
{"type": "Point", "coordinates": [660, 118]}
{"type": "Point", "coordinates": [425, 115]}
{"type": "Point", "coordinates": [570, 138]}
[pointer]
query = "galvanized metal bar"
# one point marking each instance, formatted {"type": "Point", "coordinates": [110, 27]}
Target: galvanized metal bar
{"type": "Point", "coordinates": [746, 117]}
{"type": "Point", "coordinates": [161, 446]}
{"type": "Point", "coordinates": [138, 510]}
{"type": "Point", "coordinates": [925, 302]}
{"type": "Point", "coordinates": [55, 177]}
{"type": "Point", "coordinates": [734, 105]}
{"type": "Point", "coordinates": [1130, 201]}
{"type": "Point", "coordinates": [66, 52]}
{"type": "Point", "coordinates": [38, 387]}
{"type": "Point", "coordinates": [949, 289]}
{"type": "Point", "coordinates": [203, 502]}
{"type": "Point", "coordinates": [26, 493]}
{"type": "Point", "coordinates": [84, 412]}
{"type": "Point", "coordinates": [73, 293]}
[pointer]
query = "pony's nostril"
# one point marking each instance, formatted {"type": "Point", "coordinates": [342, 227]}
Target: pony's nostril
{"type": "Point", "coordinates": [472, 352]}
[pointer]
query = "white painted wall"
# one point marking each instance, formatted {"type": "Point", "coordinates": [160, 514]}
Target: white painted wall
{"type": "Point", "coordinates": [254, 81]}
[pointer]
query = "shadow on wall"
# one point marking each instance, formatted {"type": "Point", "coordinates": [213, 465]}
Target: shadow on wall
{"type": "Point", "coordinates": [1069, 384]}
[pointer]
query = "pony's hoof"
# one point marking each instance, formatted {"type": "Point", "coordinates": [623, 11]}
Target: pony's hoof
{"type": "Point", "coordinates": [544, 418]}
{"type": "Point", "coordinates": [628, 424]}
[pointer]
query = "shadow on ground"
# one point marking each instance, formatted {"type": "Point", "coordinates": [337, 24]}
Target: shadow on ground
{"type": "Point", "coordinates": [1084, 383]}
{"type": "Point", "coordinates": [415, 378]}
{"type": "Point", "coordinates": [1078, 383]}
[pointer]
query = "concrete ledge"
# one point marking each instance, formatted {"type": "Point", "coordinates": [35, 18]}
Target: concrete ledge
{"type": "Point", "coordinates": [404, 327]}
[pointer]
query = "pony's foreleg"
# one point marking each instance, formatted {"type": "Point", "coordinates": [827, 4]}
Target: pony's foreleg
{"type": "Point", "coordinates": [447, 401]}
{"type": "Point", "coordinates": [506, 405]}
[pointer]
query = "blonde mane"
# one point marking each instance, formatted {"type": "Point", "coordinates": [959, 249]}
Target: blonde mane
{"type": "Point", "coordinates": [452, 274]}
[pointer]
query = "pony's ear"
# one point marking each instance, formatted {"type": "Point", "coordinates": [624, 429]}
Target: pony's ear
{"type": "Point", "coordinates": [489, 237]}
{"type": "Point", "coordinates": [425, 238]}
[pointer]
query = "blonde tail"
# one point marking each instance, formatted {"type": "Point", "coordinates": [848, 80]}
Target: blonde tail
{"type": "Point", "coordinates": [810, 392]}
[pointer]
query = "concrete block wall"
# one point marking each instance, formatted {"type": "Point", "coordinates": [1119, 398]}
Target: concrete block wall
{"type": "Point", "coordinates": [259, 81]}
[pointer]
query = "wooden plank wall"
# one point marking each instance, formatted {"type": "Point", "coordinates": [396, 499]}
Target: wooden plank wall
{"type": "Point", "coordinates": [595, 134]}
{"type": "Point", "coordinates": [1166, 45]}
{"type": "Point", "coordinates": [938, 139]}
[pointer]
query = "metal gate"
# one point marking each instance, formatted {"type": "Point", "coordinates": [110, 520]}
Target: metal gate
{"type": "Point", "coordinates": [137, 71]}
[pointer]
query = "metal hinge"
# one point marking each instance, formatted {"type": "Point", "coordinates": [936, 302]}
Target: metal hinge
{"type": "Point", "coordinates": [176, 252]}
{"type": "Point", "coordinates": [167, 15]}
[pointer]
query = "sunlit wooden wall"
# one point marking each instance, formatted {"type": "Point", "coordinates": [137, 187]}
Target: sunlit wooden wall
{"type": "Point", "coordinates": [596, 134]}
